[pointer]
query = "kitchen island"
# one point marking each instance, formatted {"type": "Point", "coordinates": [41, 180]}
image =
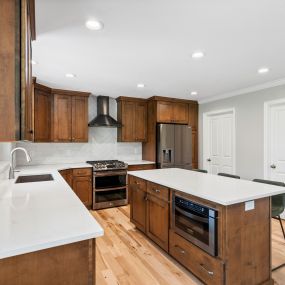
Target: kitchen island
{"type": "Point", "coordinates": [219, 228]}
{"type": "Point", "coordinates": [47, 234]}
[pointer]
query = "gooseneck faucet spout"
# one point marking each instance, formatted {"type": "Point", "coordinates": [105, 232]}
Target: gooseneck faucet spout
{"type": "Point", "coordinates": [12, 164]}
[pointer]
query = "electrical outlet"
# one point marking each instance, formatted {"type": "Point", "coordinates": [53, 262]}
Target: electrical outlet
{"type": "Point", "coordinates": [249, 205]}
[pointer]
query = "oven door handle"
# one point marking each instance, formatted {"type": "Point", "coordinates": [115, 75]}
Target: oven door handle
{"type": "Point", "coordinates": [192, 216]}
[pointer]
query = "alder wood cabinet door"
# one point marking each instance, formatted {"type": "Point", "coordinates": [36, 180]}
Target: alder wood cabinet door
{"type": "Point", "coordinates": [137, 192]}
{"type": "Point", "coordinates": [180, 113]}
{"type": "Point", "coordinates": [79, 119]}
{"type": "Point", "coordinates": [132, 114]}
{"type": "Point", "coordinates": [62, 118]}
{"type": "Point", "coordinates": [193, 116]}
{"type": "Point", "coordinates": [82, 186]}
{"type": "Point", "coordinates": [164, 112]}
{"type": "Point", "coordinates": [128, 121]}
{"type": "Point", "coordinates": [140, 122]}
{"type": "Point", "coordinates": [42, 114]}
{"type": "Point", "coordinates": [158, 221]}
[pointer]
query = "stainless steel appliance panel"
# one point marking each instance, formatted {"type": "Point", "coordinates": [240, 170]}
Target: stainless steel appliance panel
{"type": "Point", "coordinates": [165, 145]}
{"type": "Point", "coordinates": [183, 146]}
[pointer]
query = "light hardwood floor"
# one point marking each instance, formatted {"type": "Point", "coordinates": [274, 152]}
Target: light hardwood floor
{"type": "Point", "coordinates": [125, 256]}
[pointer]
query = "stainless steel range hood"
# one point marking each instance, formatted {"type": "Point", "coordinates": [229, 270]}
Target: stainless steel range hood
{"type": "Point", "coordinates": [103, 119]}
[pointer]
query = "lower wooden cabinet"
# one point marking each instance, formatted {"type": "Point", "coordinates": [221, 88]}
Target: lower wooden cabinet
{"type": "Point", "coordinates": [137, 194]}
{"type": "Point", "coordinates": [157, 220]}
{"type": "Point", "coordinates": [150, 209]}
{"type": "Point", "coordinates": [209, 269]}
{"type": "Point", "coordinates": [80, 180]}
{"type": "Point", "coordinates": [82, 186]}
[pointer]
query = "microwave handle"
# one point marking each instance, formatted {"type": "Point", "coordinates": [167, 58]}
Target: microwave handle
{"type": "Point", "coordinates": [191, 216]}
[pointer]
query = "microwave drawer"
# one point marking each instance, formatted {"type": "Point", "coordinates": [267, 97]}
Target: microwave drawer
{"type": "Point", "coordinates": [158, 191]}
{"type": "Point", "coordinates": [207, 268]}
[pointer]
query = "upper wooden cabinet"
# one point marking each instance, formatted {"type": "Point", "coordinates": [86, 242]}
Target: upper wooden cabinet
{"type": "Point", "coordinates": [193, 116]}
{"type": "Point", "coordinates": [172, 112]}
{"type": "Point", "coordinates": [17, 31]}
{"type": "Point", "coordinates": [132, 114]}
{"type": "Point", "coordinates": [70, 116]}
{"type": "Point", "coordinates": [59, 115]}
{"type": "Point", "coordinates": [41, 129]}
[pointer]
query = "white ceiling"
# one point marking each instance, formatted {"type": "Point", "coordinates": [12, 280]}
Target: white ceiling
{"type": "Point", "coordinates": [151, 41]}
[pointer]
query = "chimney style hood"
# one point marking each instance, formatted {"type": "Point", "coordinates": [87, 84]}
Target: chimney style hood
{"type": "Point", "coordinates": [103, 119]}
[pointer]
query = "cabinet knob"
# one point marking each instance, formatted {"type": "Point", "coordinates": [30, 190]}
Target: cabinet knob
{"type": "Point", "coordinates": [209, 159]}
{"type": "Point", "coordinates": [273, 166]}
{"type": "Point", "coordinates": [145, 198]}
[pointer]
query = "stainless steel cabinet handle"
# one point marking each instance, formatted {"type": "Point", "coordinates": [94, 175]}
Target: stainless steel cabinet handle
{"type": "Point", "coordinates": [209, 272]}
{"type": "Point", "coordinates": [209, 159]}
{"type": "Point", "coordinates": [182, 251]}
{"type": "Point", "coordinates": [145, 198]}
{"type": "Point", "coordinates": [156, 190]}
{"type": "Point", "coordinates": [273, 166]}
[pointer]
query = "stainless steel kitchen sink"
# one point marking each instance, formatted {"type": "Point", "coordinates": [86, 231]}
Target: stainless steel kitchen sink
{"type": "Point", "coordinates": [34, 178]}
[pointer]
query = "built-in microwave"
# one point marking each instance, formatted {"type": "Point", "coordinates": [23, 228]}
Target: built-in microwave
{"type": "Point", "coordinates": [196, 223]}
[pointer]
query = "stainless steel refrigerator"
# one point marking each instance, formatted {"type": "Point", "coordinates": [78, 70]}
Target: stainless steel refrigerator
{"type": "Point", "coordinates": [174, 146]}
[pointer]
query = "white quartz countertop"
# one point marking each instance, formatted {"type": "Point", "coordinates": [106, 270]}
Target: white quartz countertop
{"type": "Point", "coordinates": [40, 215]}
{"type": "Point", "coordinates": [218, 189]}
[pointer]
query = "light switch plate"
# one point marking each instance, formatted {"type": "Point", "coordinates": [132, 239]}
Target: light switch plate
{"type": "Point", "coordinates": [249, 205]}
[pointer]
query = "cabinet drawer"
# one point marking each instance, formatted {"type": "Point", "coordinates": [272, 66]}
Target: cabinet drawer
{"type": "Point", "coordinates": [158, 191]}
{"type": "Point", "coordinates": [138, 183]}
{"type": "Point", "coordinates": [82, 171]}
{"type": "Point", "coordinates": [207, 268]}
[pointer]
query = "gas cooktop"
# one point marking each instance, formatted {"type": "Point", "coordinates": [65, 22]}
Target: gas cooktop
{"type": "Point", "coordinates": [99, 165]}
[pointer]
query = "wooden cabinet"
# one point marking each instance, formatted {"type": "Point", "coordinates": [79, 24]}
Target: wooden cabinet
{"type": "Point", "coordinates": [82, 186]}
{"type": "Point", "coordinates": [193, 116]}
{"type": "Point", "coordinates": [150, 209]}
{"type": "Point", "coordinates": [17, 23]}
{"type": "Point", "coordinates": [141, 167]}
{"type": "Point", "coordinates": [164, 112]}
{"type": "Point", "coordinates": [172, 112]}
{"type": "Point", "coordinates": [209, 269]}
{"type": "Point", "coordinates": [62, 120]}
{"type": "Point", "coordinates": [70, 116]}
{"type": "Point", "coordinates": [42, 113]}
{"type": "Point", "coordinates": [80, 180]}
{"type": "Point", "coordinates": [157, 225]}
{"type": "Point", "coordinates": [137, 188]}
{"type": "Point", "coordinates": [79, 119]}
{"type": "Point", "coordinates": [132, 114]}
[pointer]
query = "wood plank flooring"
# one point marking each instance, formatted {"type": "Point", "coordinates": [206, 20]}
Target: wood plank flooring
{"type": "Point", "coordinates": [125, 256]}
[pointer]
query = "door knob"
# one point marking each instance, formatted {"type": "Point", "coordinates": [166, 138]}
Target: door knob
{"type": "Point", "coordinates": [209, 159]}
{"type": "Point", "coordinates": [273, 166]}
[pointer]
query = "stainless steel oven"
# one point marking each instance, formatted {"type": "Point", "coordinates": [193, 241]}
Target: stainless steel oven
{"type": "Point", "coordinates": [109, 188]}
{"type": "Point", "coordinates": [196, 223]}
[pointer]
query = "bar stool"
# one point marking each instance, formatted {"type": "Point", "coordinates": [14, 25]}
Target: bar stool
{"type": "Point", "coordinates": [229, 175]}
{"type": "Point", "coordinates": [277, 206]}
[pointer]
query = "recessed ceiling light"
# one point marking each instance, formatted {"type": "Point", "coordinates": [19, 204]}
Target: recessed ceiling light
{"type": "Point", "coordinates": [263, 70]}
{"type": "Point", "coordinates": [140, 85]}
{"type": "Point", "coordinates": [34, 62]}
{"type": "Point", "coordinates": [197, 54]}
{"type": "Point", "coordinates": [70, 75]}
{"type": "Point", "coordinates": [194, 93]}
{"type": "Point", "coordinates": [94, 25]}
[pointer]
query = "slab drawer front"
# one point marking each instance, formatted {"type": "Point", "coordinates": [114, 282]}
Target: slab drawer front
{"type": "Point", "coordinates": [82, 171]}
{"type": "Point", "coordinates": [158, 191]}
{"type": "Point", "coordinates": [139, 183]}
{"type": "Point", "coordinates": [207, 268]}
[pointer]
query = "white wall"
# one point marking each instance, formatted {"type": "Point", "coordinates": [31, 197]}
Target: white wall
{"type": "Point", "coordinates": [102, 145]}
{"type": "Point", "coordinates": [249, 128]}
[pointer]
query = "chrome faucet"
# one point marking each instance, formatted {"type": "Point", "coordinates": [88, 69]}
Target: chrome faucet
{"type": "Point", "coordinates": [12, 164]}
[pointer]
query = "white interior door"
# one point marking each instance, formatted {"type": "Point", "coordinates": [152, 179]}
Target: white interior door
{"type": "Point", "coordinates": [275, 141]}
{"type": "Point", "coordinates": [219, 142]}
